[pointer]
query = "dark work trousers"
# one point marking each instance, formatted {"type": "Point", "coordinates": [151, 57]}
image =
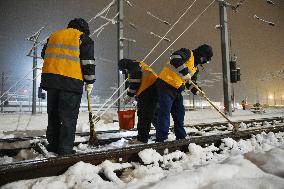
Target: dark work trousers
{"type": "Point", "coordinates": [63, 109]}
{"type": "Point", "coordinates": [146, 106]}
{"type": "Point", "coordinates": [170, 102]}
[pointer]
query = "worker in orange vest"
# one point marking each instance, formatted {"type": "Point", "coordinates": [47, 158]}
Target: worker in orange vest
{"type": "Point", "coordinates": [179, 72]}
{"type": "Point", "coordinates": [142, 85]}
{"type": "Point", "coordinates": [68, 64]}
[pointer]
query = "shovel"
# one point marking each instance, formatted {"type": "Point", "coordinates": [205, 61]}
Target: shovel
{"type": "Point", "coordinates": [235, 125]}
{"type": "Point", "coordinates": [93, 140]}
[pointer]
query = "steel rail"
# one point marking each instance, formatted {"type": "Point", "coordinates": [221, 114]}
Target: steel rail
{"type": "Point", "coordinates": [58, 165]}
{"type": "Point", "coordinates": [214, 124]}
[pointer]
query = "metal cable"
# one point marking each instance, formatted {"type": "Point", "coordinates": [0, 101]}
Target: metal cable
{"type": "Point", "coordinates": [163, 51]}
{"type": "Point", "coordinates": [144, 59]}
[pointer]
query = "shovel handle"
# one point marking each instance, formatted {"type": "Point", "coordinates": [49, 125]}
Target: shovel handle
{"type": "Point", "coordinates": [93, 136]}
{"type": "Point", "coordinates": [211, 102]}
{"type": "Point", "coordinates": [89, 102]}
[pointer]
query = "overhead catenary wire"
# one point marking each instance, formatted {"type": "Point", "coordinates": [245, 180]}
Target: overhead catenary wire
{"type": "Point", "coordinates": [185, 12]}
{"type": "Point", "coordinates": [34, 39]}
{"type": "Point", "coordinates": [270, 2]}
{"type": "Point", "coordinates": [156, 35]}
{"type": "Point", "coordinates": [183, 31]}
{"type": "Point", "coordinates": [132, 25]}
{"type": "Point", "coordinates": [18, 89]}
{"type": "Point", "coordinates": [239, 4]}
{"type": "Point", "coordinates": [102, 11]}
{"type": "Point", "coordinates": [263, 20]}
{"type": "Point", "coordinates": [105, 9]}
{"type": "Point", "coordinates": [163, 21]}
{"type": "Point", "coordinates": [104, 25]}
{"type": "Point", "coordinates": [147, 12]}
{"type": "Point", "coordinates": [17, 82]}
{"type": "Point", "coordinates": [128, 3]}
{"type": "Point", "coordinates": [161, 53]}
{"type": "Point", "coordinates": [104, 17]}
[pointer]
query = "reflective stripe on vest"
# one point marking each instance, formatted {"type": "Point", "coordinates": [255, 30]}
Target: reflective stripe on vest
{"type": "Point", "coordinates": [88, 62]}
{"type": "Point", "coordinates": [148, 78]}
{"type": "Point", "coordinates": [171, 75]}
{"type": "Point", "coordinates": [62, 54]}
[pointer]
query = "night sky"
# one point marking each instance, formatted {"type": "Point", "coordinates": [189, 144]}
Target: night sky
{"type": "Point", "coordinates": [258, 46]}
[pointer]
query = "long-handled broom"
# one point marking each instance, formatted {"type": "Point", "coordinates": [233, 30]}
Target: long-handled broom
{"type": "Point", "coordinates": [235, 125]}
{"type": "Point", "coordinates": [93, 140]}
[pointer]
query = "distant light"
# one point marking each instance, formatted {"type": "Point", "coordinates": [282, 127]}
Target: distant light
{"type": "Point", "coordinates": [120, 72]}
{"type": "Point", "coordinates": [270, 97]}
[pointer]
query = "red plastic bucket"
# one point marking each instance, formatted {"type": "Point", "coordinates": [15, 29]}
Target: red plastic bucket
{"type": "Point", "coordinates": [126, 119]}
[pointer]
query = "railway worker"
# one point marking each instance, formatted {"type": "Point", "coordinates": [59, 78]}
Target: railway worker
{"type": "Point", "coordinates": [180, 71]}
{"type": "Point", "coordinates": [68, 64]}
{"type": "Point", "coordinates": [244, 103]}
{"type": "Point", "coordinates": [142, 86]}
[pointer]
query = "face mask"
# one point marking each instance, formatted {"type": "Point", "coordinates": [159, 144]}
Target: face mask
{"type": "Point", "coordinates": [124, 71]}
{"type": "Point", "coordinates": [204, 60]}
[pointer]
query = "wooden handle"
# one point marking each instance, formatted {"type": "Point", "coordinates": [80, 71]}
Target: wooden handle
{"type": "Point", "coordinates": [212, 103]}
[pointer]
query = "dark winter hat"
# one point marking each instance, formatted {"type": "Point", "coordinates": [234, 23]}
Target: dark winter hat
{"type": "Point", "coordinates": [204, 51]}
{"type": "Point", "coordinates": [80, 24]}
{"type": "Point", "coordinates": [124, 64]}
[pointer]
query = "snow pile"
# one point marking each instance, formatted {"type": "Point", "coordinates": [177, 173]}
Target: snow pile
{"type": "Point", "coordinates": [267, 161]}
{"type": "Point", "coordinates": [253, 164]}
{"type": "Point", "coordinates": [200, 156]}
{"type": "Point", "coordinates": [234, 173]}
{"type": "Point", "coordinates": [149, 156]}
{"type": "Point", "coordinates": [4, 136]}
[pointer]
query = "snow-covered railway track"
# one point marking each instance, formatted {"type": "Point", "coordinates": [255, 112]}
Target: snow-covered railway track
{"type": "Point", "coordinates": [12, 146]}
{"type": "Point", "coordinates": [57, 165]}
{"type": "Point", "coordinates": [200, 127]}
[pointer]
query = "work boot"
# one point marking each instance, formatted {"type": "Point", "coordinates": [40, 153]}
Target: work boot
{"type": "Point", "coordinates": [67, 153]}
{"type": "Point", "coordinates": [51, 149]}
{"type": "Point", "coordinates": [135, 141]}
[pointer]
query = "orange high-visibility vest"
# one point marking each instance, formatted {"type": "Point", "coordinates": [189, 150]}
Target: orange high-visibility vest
{"type": "Point", "coordinates": [148, 78]}
{"type": "Point", "coordinates": [171, 76]}
{"type": "Point", "coordinates": [62, 54]}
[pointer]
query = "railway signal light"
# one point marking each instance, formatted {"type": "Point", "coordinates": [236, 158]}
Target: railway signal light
{"type": "Point", "coordinates": [235, 72]}
{"type": "Point", "coordinates": [41, 94]}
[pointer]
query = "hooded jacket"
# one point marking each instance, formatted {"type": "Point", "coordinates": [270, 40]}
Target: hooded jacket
{"type": "Point", "coordinates": [68, 59]}
{"type": "Point", "coordinates": [140, 79]}
{"type": "Point", "coordinates": [181, 65]}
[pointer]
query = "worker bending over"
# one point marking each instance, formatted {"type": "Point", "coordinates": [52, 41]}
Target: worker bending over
{"type": "Point", "coordinates": [179, 72]}
{"type": "Point", "coordinates": [142, 86]}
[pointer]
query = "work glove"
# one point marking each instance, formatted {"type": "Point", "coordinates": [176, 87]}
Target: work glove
{"type": "Point", "coordinates": [187, 78]}
{"type": "Point", "coordinates": [197, 92]}
{"type": "Point", "coordinates": [127, 99]}
{"type": "Point", "coordinates": [202, 94]}
{"type": "Point", "coordinates": [88, 88]}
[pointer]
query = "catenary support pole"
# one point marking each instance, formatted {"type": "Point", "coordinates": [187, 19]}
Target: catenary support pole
{"type": "Point", "coordinates": [33, 53]}
{"type": "Point", "coordinates": [2, 91]}
{"type": "Point", "coordinates": [225, 57]}
{"type": "Point", "coordinates": [120, 26]}
{"type": "Point", "coordinates": [34, 81]}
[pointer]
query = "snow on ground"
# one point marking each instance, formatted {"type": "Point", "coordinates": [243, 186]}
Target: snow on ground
{"type": "Point", "coordinates": [36, 123]}
{"type": "Point", "coordinates": [247, 164]}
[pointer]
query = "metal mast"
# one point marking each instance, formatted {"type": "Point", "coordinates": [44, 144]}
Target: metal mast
{"type": "Point", "coordinates": [225, 58]}
{"type": "Point", "coordinates": [120, 78]}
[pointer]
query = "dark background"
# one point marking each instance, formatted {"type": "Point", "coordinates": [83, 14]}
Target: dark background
{"type": "Point", "coordinates": [258, 46]}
